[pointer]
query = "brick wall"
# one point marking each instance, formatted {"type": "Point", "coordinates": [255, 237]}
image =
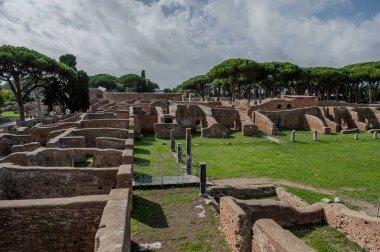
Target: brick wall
{"type": "Point", "coordinates": [120, 97]}
{"type": "Point", "coordinates": [67, 224]}
{"type": "Point", "coordinates": [235, 225]}
{"type": "Point", "coordinates": [105, 123]}
{"type": "Point", "coordinates": [264, 124]}
{"type": "Point", "coordinates": [359, 227]}
{"type": "Point", "coordinates": [268, 236]}
{"type": "Point", "coordinates": [42, 182]}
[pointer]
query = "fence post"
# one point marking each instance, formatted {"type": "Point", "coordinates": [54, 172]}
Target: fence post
{"type": "Point", "coordinates": [202, 179]}
{"type": "Point", "coordinates": [292, 136]}
{"type": "Point", "coordinates": [315, 136]}
{"type": "Point", "coordinates": [179, 153]}
{"type": "Point", "coordinates": [189, 163]}
{"type": "Point", "coordinates": [172, 140]}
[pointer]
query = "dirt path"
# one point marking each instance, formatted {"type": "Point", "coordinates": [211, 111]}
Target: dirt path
{"type": "Point", "coordinates": [365, 206]}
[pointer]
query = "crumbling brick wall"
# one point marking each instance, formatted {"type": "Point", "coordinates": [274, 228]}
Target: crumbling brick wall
{"type": "Point", "coordinates": [359, 227]}
{"type": "Point", "coordinates": [235, 225]}
{"type": "Point", "coordinates": [66, 224]}
{"type": "Point", "coordinates": [42, 182]}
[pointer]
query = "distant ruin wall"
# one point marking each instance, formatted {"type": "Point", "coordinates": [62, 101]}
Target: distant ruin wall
{"type": "Point", "coordinates": [226, 116]}
{"type": "Point", "coordinates": [121, 97]}
{"type": "Point", "coordinates": [105, 123]}
{"type": "Point", "coordinates": [316, 124]}
{"type": "Point", "coordinates": [67, 224]}
{"type": "Point", "coordinates": [264, 124]}
{"type": "Point", "coordinates": [282, 104]}
{"type": "Point", "coordinates": [42, 182]}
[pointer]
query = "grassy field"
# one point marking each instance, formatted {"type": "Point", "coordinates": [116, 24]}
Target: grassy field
{"type": "Point", "coordinates": [336, 162]}
{"type": "Point", "coordinates": [10, 114]}
{"type": "Point", "coordinates": [171, 216]}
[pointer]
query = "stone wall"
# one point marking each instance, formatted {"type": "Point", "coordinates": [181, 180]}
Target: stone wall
{"type": "Point", "coordinates": [66, 224]}
{"type": "Point", "coordinates": [42, 182]}
{"type": "Point", "coordinates": [359, 227]}
{"type": "Point", "coordinates": [110, 143]}
{"type": "Point", "coordinates": [281, 212]}
{"type": "Point", "coordinates": [40, 133]}
{"type": "Point", "coordinates": [3, 187]}
{"type": "Point", "coordinates": [226, 116]}
{"type": "Point", "coordinates": [95, 116]}
{"type": "Point", "coordinates": [8, 140]}
{"type": "Point", "coordinates": [26, 147]}
{"type": "Point", "coordinates": [105, 123]}
{"type": "Point", "coordinates": [90, 135]}
{"type": "Point", "coordinates": [162, 130]}
{"type": "Point", "coordinates": [214, 130]}
{"type": "Point", "coordinates": [114, 233]}
{"type": "Point", "coordinates": [268, 236]}
{"type": "Point", "coordinates": [242, 192]}
{"type": "Point", "coordinates": [238, 216]}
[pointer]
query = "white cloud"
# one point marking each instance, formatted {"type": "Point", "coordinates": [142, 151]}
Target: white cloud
{"type": "Point", "coordinates": [177, 39]}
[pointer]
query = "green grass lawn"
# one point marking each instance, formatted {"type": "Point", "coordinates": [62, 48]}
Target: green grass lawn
{"type": "Point", "coordinates": [171, 216]}
{"type": "Point", "coordinates": [324, 238]}
{"type": "Point", "coordinates": [335, 161]}
{"type": "Point", "coordinates": [10, 114]}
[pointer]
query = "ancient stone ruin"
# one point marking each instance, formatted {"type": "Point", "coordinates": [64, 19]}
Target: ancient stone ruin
{"type": "Point", "coordinates": [66, 184]}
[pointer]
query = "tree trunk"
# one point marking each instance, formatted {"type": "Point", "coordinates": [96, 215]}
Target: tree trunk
{"type": "Point", "coordinates": [21, 108]}
{"type": "Point", "coordinates": [18, 94]}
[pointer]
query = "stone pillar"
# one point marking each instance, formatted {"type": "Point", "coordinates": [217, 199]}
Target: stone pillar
{"type": "Point", "coordinates": [375, 135]}
{"type": "Point", "coordinates": [172, 140]}
{"type": "Point", "coordinates": [315, 136]}
{"type": "Point", "coordinates": [356, 136]}
{"type": "Point", "coordinates": [189, 97]}
{"type": "Point", "coordinates": [293, 136]}
{"type": "Point", "coordinates": [202, 179]}
{"type": "Point", "coordinates": [183, 97]}
{"type": "Point", "coordinates": [179, 153]}
{"type": "Point", "coordinates": [189, 163]}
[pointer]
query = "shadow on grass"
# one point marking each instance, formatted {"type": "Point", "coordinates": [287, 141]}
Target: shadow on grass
{"type": "Point", "coordinates": [145, 142]}
{"type": "Point", "coordinates": [141, 151]}
{"type": "Point", "coordinates": [142, 161]}
{"type": "Point", "coordinates": [303, 230]}
{"type": "Point", "coordinates": [148, 212]}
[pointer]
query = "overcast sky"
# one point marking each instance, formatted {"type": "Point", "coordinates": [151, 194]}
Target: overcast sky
{"type": "Point", "coordinates": [174, 40]}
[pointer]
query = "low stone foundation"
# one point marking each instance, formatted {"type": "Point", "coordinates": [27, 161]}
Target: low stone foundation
{"type": "Point", "coordinates": [358, 227]}
{"type": "Point", "coordinates": [268, 236]}
{"type": "Point", "coordinates": [113, 234]}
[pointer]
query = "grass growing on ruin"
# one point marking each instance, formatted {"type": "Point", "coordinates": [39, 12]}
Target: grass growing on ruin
{"type": "Point", "coordinates": [324, 238]}
{"type": "Point", "coordinates": [170, 216]}
{"type": "Point", "coordinates": [336, 162]}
